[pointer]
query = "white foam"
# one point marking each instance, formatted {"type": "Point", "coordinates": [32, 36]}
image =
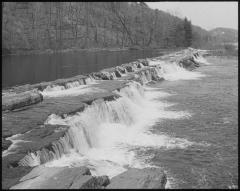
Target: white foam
{"type": "Point", "coordinates": [201, 60]}
{"type": "Point", "coordinates": [15, 139]}
{"type": "Point", "coordinates": [173, 72]}
{"type": "Point", "coordinates": [60, 91]}
{"type": "Point", "coordinates": [155, 62]}
{"type": "Point", "coordinates": [105, 135]}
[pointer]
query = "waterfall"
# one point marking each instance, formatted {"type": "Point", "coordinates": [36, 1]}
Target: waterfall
{"type": "Point", "coordinates": [83, 134]}
{"type": "Point", "coordinates": [173, 71]}
{"type": "Point", "coordinates": [200, 59]}
{"type": "Point", "coordinates": [68, 85]}
{"type": "Point", "coordinates": [56, 151]}
{"type": "Point", "coordinates": [113, 75]}
{"type": "Point", "coordinates": [74, 89]}
{"type": "Point", "coordinates": [105, 134]}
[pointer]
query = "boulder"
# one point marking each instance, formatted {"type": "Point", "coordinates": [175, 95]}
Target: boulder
{"type": "Point", "coordinates": [101, 76]}
{"type": "Point", "coordinates": [188, 64]}
{"type": "Point", "coordinates": [117, 73]}
{"type": "Point", "coordinates": [121, 69]}
{"type": "Point", "coordinates": [144, 62]}
{"type": "Point", "coordinates": [95, 183]}
{"type": "Point", "coordinates": [150, 178]}
{"type": "Point", "coordinates": [139, 65]}
{"type": "Point", "coordinates": [129, 69]}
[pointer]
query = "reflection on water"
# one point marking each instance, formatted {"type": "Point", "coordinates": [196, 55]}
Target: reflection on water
{"type": "Point", "coordinates": [24, 69]}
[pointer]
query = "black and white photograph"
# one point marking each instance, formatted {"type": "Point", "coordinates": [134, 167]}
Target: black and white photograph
{"type": "Point", "coordinates": [120, 95]}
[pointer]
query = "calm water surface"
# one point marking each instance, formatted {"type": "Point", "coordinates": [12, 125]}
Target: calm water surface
{"type": "Point", "coordinates": [213, 103]}
{"type": "Point", "coordinates": [30, 69]}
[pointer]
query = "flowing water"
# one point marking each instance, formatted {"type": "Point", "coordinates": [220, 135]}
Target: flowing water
{"type": "Point", "coordinates": [186, 124]}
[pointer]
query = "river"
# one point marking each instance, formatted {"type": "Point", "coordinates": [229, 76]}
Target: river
{"type": "Point", "coordinates": [186, 124]}
{"type": "Point", "coordinates": [212, 102]}
{"type": "Point", "coordinates": [30, 69]}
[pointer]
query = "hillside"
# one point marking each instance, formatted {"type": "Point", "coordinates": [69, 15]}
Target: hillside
{"type": "Point", "coordinates": [31, 26]}
{"type": "Point", "coordinates": [225, 34]}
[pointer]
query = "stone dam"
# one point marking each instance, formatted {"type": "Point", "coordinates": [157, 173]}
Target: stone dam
{"type": "Point", "coordinates": [32, 138]}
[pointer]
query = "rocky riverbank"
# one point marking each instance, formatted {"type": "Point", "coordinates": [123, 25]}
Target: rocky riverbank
{"type": "Point", "coordinates": [25, 110]}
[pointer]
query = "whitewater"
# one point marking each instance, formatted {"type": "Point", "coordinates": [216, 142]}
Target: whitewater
{"type": "Point", "coordinates": [108, 136]}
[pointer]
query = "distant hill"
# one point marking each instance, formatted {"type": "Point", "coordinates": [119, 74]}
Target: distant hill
{"type": "Point", "coordinates": [225, 34]}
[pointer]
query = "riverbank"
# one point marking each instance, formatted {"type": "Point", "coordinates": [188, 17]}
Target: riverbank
{"type": "Point", "coordinates": [111, 49]}
{"type": "Point", "coordinates": [27, 124]}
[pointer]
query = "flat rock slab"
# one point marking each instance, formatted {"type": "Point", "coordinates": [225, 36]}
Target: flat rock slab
{"type": "Point", "coordinates": [28, 118]}
{"type": "Point", "coordinates": [43, 85]}
{"type": "Point", "coordinates": [150, 178]}
{"type": "Point", "coordinates": [38, 138]}
{"type": "Point", "coordinates": [11, 176]}
{"type": "Point", "coordinates": [43, 177]}
{"type": "Point", "coordinates": [32, 141]}
{"type": "Point", "coordinates": [22, 121]}
{"type": "Point", "coordinates": [29, 142]}
{"type": "Point", "coordinates": [21, 96]}
{"type": "Point", "coordinates": [15, 101]}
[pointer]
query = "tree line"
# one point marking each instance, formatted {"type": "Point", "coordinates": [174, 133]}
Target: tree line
{"type": "Point", "coordinates": [61, 25]}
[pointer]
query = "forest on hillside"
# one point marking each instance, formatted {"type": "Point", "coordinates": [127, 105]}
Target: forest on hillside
{"type": "Point", "coordinates": [83, 25]}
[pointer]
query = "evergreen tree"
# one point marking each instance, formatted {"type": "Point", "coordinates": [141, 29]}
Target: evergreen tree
{"type": "Point", "coordinates": [188, 32]}
{"type": "Point", "coordinates": [179, 35]}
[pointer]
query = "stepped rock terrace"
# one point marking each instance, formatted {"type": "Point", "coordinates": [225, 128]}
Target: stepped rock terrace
{"type": "Point", "coordinates": [28, 140]}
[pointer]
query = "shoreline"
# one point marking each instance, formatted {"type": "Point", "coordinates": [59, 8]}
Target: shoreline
{"type": "Point", "coordinates": [110, 49]}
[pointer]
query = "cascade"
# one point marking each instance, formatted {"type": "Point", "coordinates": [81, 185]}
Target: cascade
{"type": "Point", "coordinates": [69, 85]}
{"type": "Point", "coordinates": [104, 134]}
{"type": "Point", "coordinates": [83, 133]}
{"type": "Point", "coordinates": [199, 59]}
{"type": "Point", "coordinates": [107, 128]}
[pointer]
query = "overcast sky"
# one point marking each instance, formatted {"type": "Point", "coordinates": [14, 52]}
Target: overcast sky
{"type": "Point", "coordinates": [207, 15]}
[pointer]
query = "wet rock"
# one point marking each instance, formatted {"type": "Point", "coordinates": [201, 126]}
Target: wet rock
{"type": "Point", "coordinates": [96, 183]}
{"type": "Point", "coordinates": [101, 75]}
{"type": "Point", "coordinates": [5, 144]}
{"type": "Point", "coordinates": [32, 141]}
{"type": "Point", "coordinates": [103, 180]}
{"type": "Point", "coordinates": [150, 178]}
{"type": "Point", "coordinates": [139, 65]}
{"type": "Point", "coordinates": [144, 62]}
{"type": "Point", "coordinates": [118, 74]}
{"type": "Point", "coordinates": [80, 79]}
{"type": "Point", "coordinates": [188, 64]}
{"type": "Point", "coordinates": [155, 75]}
{"type": "Point", "coordinates": [66, 83]}
{"type": "Point", "coordinates": [129, 69]}
{"type": "Point", "coordinates": [61, 178]}
{"type": "Point", "coordinates": [16, 101]}
{"type": "Point", "coordinates": [121, 69]}
{"type": "Point", "coordinates": [11, 176]}
{"type": "Point", "coordinates": [33, 116]}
